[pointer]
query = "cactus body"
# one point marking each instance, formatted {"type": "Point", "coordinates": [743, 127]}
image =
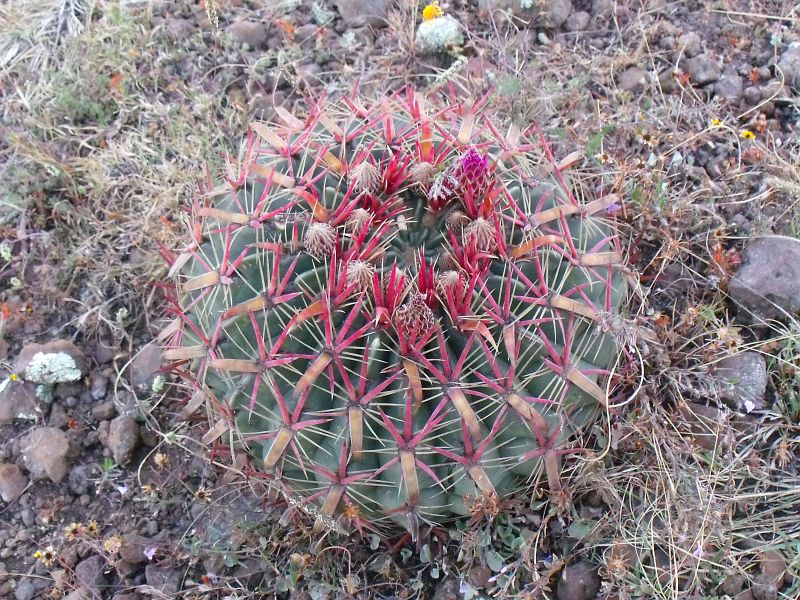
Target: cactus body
{"type": "Point", "coordinates": [394, 311]}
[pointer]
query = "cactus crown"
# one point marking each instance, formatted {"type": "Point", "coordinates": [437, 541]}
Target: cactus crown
{"type": "Point", "coordinates": [394, 311]}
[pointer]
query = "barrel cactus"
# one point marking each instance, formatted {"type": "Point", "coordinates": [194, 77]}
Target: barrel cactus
{"type": "Point", "coordinates": [395, 311]}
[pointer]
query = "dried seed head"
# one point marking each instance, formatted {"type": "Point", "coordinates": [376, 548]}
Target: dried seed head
{"type": "Point", "coordinates": [414, 318]}
{"type": "Point", "coordinates": [367, 177]}
{"type": "Point", "coordinates": [320, 240]}
{"type": "Point", "coordinates": [422, 173]}
{"type": "Point", "coordinates": [456, 220]}
{"type": "Point", "coordinates": [449, 280]}
{"type": "Point", "coordinates": [482, 231]}
{"type": "Point", "coordinates": [359, 274]}
{"type": "Point", "coordinates": [358, 219]}
{"type": "Point", "coordinates": [351, 511]}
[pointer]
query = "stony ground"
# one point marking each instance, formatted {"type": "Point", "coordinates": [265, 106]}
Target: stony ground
{"type": "Point", "coordinates": [112, 111]}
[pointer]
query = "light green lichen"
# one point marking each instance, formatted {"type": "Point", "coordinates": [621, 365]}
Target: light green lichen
{"type": "Point", "coordinates": [44, 393]}
{"type": "Point", "coordinates": [51, 368]}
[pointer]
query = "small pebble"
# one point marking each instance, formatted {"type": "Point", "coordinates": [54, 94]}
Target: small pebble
{"type": "Point", "coordinates": [27, 517]}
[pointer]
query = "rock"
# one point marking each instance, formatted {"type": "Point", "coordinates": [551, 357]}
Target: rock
{"type": "Point", "coordinates": [479, 576]}
{"type": "Point", "coordinates": [27, 516]}
{"type": "Point", "coordinates": [12, 482]}
{"type": "Point", "coordinates": [99, 386]}
{"type": "Point", "coordinates": [742, 380]}
{"type": "Point", "coordinates": [18, 401]}
{"type": "Point", "coordinates": [552, 14]}
{"type": "Point", "coordinates": [54, 362]}
{"type": "Point", "coordinates": [79, 480]}
{"type": "Point", "coordinates": [58, 416]}
{"type": "Point", "coordinates": [579, 581]}
{"type": "Point", "coordinates": [25, 590]}
{"type": "Point", "coordinates": [305, 35]}
{"type": "Point", "coordinates": [729, 88]}
{"type": "Point", "coordinates": [68, 389]}
{"type": "Point", "coordinates": [702, 69]}
{"type": "Point", "coordinates": [145, 366]}
{"type": "Point", "coordinates": [68, 557]}
{"type": "Point", "coordinates": [667, 42]}
{"type": "Point", "coordinates": [104, 353]}
{"type": "Point", "coordinates": [774, 90]}
{"type": "Point", "coordinates": [89, 575]}
{"type": "Point", "coordinates": [770, 580]}
{"type": "Point", "coordinates": [133, 547]}
{"type": "Point", "coordinates": [250, 33]}
{"type": "Point", "coordinates": [578, 21]}
{"type": "Point", "coordinates": [666, 79]}
{"type": "Point", "coordinates": [123, 438]}
{"type": "Point", "coordinates": [711, 427]}
{"type": "Point", "coordinates": [165, 580]}
{"type": "Point", "coordinates": [689, 44]}
{"type": "Point", "coordinates": [358, 13]}
{"type": "Point", "coordinates": [447, 589]}
{"type": "Point", "coordinates": [752, 95]}
{"type": "Point", "coordinates": [764, 588]}
{"type": "Point", "coordinates": [633, 79]}
{"type": "Point", "coordinates": [773, 564]}
{"type": "Point", "coordinates": [179, 29]}
{"type": "Point", "coordinates": [789, 64]}
{"type": "Point", "coordinates": [602, 9]}
{"type": "Point", "coordinates": [104, 411]}
{"type": "Point", "coordinates": [47, 452]}
{"type": "Point", "coordinates": [767, 285]}
{"type": "Point", "coordinates": [548, 15]}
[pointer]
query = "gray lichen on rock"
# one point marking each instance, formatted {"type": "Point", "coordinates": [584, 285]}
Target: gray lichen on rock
{"type": "Point", "coordinates": [52, 368]}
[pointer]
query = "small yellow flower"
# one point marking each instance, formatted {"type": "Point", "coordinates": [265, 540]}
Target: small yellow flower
{"type": "Point", "coordinates": [47, 556]}
{"type": "Point", "coordinates": [92, 528]}
{"type": "Point", "coordinates": [716, 122]}
{"type": "Point", "coordinates": [13, 377]}
{"type": "Point", "coordinates": [73, 531]}
{"type": "Point", "coordinates": [432, 11]}
{"type": "Point", "coordinates": [113, 544]}
{"type": "Point", "coordinates": [746, 134]}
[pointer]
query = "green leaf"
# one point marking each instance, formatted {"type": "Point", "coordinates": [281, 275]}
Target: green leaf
{"type": "Point", "coordinates": [494, 561]}
{"type": "Point", "coordinates": [230, 560]}
{"type": "Point", "coordinates": [581, 528]}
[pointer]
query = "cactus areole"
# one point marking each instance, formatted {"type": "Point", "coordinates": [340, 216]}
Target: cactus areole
{"type": "Point", "coordinates": [396, 310]}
